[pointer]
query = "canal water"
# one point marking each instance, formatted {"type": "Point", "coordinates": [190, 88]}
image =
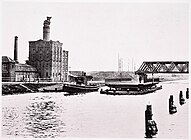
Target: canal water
{"type": "Point", "coordinates": [94, 115]}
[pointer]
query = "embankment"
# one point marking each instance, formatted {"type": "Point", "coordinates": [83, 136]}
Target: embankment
{"type": "Point", "coordinates": [21, 88]}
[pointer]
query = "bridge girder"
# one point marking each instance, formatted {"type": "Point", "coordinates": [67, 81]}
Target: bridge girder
{"type": "Point", "coordinates": [163, 67]}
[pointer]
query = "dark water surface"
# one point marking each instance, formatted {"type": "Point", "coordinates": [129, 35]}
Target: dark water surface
{"type": "Point", "coordinates": [53, 115]}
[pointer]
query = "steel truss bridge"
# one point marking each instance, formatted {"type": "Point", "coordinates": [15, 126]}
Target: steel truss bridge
{"type": "Point", "coordinates": [163, 67]}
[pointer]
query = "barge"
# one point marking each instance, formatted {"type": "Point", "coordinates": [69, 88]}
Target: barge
{"type": "Point", "coordinates": [131, 88]}
{"type": "Point", "coordinates": [74, 88]}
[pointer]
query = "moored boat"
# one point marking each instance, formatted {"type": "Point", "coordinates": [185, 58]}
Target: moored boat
{"type": "Point", "coordinates": [72, 88]}
{"type": "Point", "coordinates": [131, 88]}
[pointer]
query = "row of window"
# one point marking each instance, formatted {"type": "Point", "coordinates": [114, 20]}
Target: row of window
{"type": "Point", "coordinates": [53, 74]}
{"type": "Point", "coordinates": [35, 57]}
{"type": "Point", "coordinates": [47, 65]}
{"type": "Point", "coordinates": [56, 74]}
{"type": "Point", "coordinates": [47, 56]}
{"type": "Point", "coordinates": [42, 64]}
{"type": "Point", "coordinates": [4, 67]}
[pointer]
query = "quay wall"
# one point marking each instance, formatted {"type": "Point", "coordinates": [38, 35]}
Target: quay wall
{"type": "Point", "coordinates": [21, 88]}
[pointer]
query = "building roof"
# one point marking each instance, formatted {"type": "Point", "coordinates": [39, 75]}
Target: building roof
{"type": "Point", "coordinates": [6, 59]}
{"type": "Point", "coordinates": [71, 75]}
{"type": "Point", "coordinates": [25, 67]}
{"type": "Point", "coordinates": [47, 41]}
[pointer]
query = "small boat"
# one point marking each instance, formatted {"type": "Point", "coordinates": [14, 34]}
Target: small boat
{"type": "Point", "coordinates": [131, 88]}
{"type": "Point", "coordinates": [72, 88]}
{"type": "Point", "coordinates": [77, 84]}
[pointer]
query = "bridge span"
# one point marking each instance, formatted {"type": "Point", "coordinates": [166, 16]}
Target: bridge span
{"type": "Point", "coordinates": [163, 67]}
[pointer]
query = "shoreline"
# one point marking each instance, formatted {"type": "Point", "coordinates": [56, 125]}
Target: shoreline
{"type": "Point", "coordinates": [23, 88]}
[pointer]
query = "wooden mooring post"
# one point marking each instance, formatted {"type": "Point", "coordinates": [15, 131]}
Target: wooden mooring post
{"type": "Point", "coordinates": [187, 93]}
{"type": "Point", "coordinates": [150, 125]}
{"type": "Point", "coordinates": [181, 99]}
{"type": "Point", "coordinates": [172, 107]}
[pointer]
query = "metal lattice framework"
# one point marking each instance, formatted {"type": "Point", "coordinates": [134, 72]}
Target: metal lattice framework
{"type": "Point", "coordinates": [164, 67]}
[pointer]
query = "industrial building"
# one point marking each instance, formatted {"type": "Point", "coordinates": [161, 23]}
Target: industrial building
{"type": "Point", "coordinates": [47, 61]}
{"type": "Point", "coordinates": [13, 71]}
{"type": "Point", "coordinates": [48, 57]}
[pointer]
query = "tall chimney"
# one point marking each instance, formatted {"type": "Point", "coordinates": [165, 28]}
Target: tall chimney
{"type": "Point", "coordinates": [46, 29]}
{"type": "Point", "coordinates": [16, 49]}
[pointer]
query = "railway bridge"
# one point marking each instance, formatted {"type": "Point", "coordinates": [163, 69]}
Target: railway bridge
{"type": "Point", "coordinates": [151, 67]}
{"type": "Point", "coordinates": [163, 67]}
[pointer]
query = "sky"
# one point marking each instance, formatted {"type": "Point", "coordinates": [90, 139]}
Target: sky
{"type": "Point", "coordinates": [97, 34]}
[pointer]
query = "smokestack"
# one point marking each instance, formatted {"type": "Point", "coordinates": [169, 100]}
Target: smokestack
{"type": "Point", "coordinates": [46, 29]}
{"type": "Point", "coordinates": [16, 49]}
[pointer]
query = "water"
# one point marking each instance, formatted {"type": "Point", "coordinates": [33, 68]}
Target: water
{"type": "Point", "coordinates": [53, 115]}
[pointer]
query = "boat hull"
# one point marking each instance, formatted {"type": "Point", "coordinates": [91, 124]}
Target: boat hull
{"type": "Point", "coordinates": [79, 89]}
{"type": "Point", "coordinates": [130, 92]}
{"type": "Point", "coordinates": [73, 89]}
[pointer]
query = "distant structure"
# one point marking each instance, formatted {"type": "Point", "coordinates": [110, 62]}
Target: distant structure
{"type": "Point", "coordinates": [13, 71]}
{"type": "Point", "coordinates": [48, 57]}
{"type": "Point", "coordinates": [120, 64]}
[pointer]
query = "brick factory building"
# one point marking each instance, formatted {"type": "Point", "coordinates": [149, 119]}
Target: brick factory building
{"type": "Point", "coordinates": [13, 71]}
{"type": "Point", "coordinates": [48, 57]}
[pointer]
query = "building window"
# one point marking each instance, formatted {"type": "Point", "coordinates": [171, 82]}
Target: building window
{"type": "Point", "coordinates": [46, 74]}
{"type": "Point", "coordinates": [4, 67]}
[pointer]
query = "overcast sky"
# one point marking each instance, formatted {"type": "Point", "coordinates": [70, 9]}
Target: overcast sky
{"type": "Point", "coordinates": [96, 33]}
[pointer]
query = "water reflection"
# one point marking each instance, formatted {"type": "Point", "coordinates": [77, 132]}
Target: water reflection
{"type": "Point", "coordinates": [43, 119]}
{"type": "Point", "coordinates": [10, 120]}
